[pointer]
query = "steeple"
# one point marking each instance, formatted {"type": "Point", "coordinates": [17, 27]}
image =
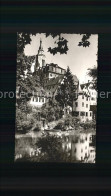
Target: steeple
{"type": "Point", "coordinates": [40, 58]}
{"type": "Point", "coordinates": [40, 47]}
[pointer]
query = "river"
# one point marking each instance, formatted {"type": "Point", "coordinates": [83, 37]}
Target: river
{"type": "Point", "coordinates": [81, 147]}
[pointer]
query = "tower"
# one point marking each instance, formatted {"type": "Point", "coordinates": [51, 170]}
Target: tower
{"type": "Point", "coordinates": [40, 58]}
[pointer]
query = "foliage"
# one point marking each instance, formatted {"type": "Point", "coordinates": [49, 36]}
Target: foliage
{"type": "Point", "coordinates": [22, 40]}
{"type": "Point", "coordinates": [26, 126]}
{"type": "Point", "coordinates": [88, 125]}
{"type": "Point", "coordinates": [67, 122]}
{"type": "Point", "coordinates": [84, 41]}
{"type": "Point", "coordinates": [23, 124]}
{"type": "Point", "coordinates": [60, 125]}
{"type": "Point", "coordinates": [93, 73]}
{"type": "Point", "coordinates": [51, 111]}
{"type": "Point", "coordinates": [62, 47]}
{"type": "Point", "coordinates": [51, 149]}
{"type": "Point", "coordinates": [71, 120]}
{"type": "Point", "coordinates": [37, 127]}
{"type": "Point", "coordinates": [61, 43]}
{"type": "Point", "coordinates": [26, 119]}
{"type": "Point", "coordinates": [67, 90]}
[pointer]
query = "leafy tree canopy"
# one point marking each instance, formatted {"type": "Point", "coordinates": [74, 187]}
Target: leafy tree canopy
{"type": "Point", "coordinates": [93, 74]}
{"type": "Point", "coordinates": [67, 90]}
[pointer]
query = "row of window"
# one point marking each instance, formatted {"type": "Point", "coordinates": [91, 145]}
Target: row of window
{"type": "Point", "coordinates": [76, 104]}
{"type": "Point", "coordinates": [38, 99]}
{"type": "Point", "coordinates": [84, 114]}
{"type": "Point", "coordinates": [88, 98]}
{"type": "Point", "coordinates": [58, 70]}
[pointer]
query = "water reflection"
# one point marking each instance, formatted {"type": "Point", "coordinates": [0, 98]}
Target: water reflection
{"type": "Point", "coordinates": [80, 147]}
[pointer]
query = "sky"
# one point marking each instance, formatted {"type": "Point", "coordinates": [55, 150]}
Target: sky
{"type": "Point", "coordinates": [79, 59]}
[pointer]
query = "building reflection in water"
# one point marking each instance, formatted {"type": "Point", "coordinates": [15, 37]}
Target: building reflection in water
{"type": "Point", "coordinates": [81, 148]}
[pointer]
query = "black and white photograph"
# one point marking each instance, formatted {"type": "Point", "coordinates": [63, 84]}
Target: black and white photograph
{"type": "Point", "coordinates": [56, 97]}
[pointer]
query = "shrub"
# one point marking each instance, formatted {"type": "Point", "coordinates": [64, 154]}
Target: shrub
{"type": "Point", "coordinates": [51, 149]}
{"type": "Point", "coordinates": [68, 120]}
{"type": "Point", "coordinates": [26, 126]}
{"type": "Point", "coordinates": [60, 125]}
{"type": "Point", "coordinates": [37, 128]}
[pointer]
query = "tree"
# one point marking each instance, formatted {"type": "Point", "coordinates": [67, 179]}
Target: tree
{"type": "Point", "coordinates": [93, 73]}
{"type": "Point", "coordinates": [51, 111]}
{"type": "Point", "coordinates": [67, 91]}
{"type": "Point", "coordinates": [51, 149]}
{"type": "Point", "coordinates": [84, 41]}
{"type": "Point", "coordinates": [61, 43]}
{"type": "Point", "coordinates": [25, 38]}
{"type": "Point", "coordinates": [62, 47]}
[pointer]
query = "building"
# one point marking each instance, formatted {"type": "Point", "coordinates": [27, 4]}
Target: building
{"type": "Point", "coordinates": [87, 97]}
{"type": "Point", "coordinates": [52, 77]}
{"type": "Point", "coordinates": [38, 98]}
{"type": "Point", "coordinates": [40, 57]}
{"type": "Point", "coordinates": [80, 147]}
{"type": "Point", "coordinates": [52, 71]}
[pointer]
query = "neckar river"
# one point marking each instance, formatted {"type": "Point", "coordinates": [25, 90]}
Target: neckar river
{"type": "Point", "coordinates": [80, 147]}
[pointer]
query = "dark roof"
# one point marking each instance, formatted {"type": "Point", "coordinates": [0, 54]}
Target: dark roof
{"type": "Point", "coordinates": [54, 65]}
{"type": "Point", "coordinates": [54, 81]}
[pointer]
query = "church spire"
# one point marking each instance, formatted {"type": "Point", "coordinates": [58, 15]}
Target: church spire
{"type": "Point", "coordinates": [40, 59]}
{"type": "Point", "coordinates": [40, 47]}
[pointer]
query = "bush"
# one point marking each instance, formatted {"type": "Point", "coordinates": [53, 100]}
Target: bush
{"type": "Point", "coordinates": [26, 126]}
{"type": "Point", "coordinates": [51, 149]}
{"type": "Point", "coordinates": [88, 125]}
{"type": "Point", "coordinates": [37, 128]}
{"type": "Point", "coordinates": [68, 120]}
{"type": "Point", "coordinates": [60, 125]}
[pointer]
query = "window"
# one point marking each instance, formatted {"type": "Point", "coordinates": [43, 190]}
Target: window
{"type": "Point", "coordinates": [33, 99]}
{"type": "Point", "coordinates": [50, 74]}
{"type": "Point", "coordinates": [37, 99]}
{"type": "Point", "coordinates": [82, 113]}
{"type": "Point", "coordinates": [86, 98]}
{"type": "Point", "coordinates": [82, 96]}
{"type": "Point", "coordinates": [90, 138]}
{"type": "Point", "coordinates": [82, 104]}
{"type": "Point", "coordinates": [43, 99]}
{"type": "Point", "coordinates": [76, 113]}
{"type": "Point", "coordinates": [81, 150]}
{"type": "Point", "coordinates": [92, 98]}
{"type": "Point", "coordinates": [76, 104]}
{"type": "Point", "coordinates": [86, 113]}
{"type": "Point", "coordinates": [86, 105]}
{"type": "Point", "coordinates": [90, 114]}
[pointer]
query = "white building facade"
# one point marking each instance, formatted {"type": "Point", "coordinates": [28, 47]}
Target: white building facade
{"type": "Point", "coordinates": [87, 97]}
